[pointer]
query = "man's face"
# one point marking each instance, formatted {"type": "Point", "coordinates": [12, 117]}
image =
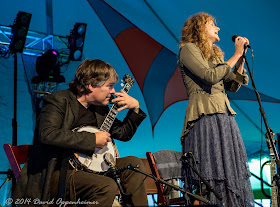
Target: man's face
{"type": "Point", "coordinates": [100, 95]}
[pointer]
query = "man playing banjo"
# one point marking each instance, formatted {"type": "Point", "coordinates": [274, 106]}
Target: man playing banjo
{"type": "Point", "coordinates": [48, 175]}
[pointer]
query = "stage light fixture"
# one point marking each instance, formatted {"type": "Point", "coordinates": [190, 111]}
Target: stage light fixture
{"type": "Point", "coordinates": [19, 32]}
{"type": "Point", "coordinates": [48, 68]}
{"type": "Point", "coordinates": [76, 41]}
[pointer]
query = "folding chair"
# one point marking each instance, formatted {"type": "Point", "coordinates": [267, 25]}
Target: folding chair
{"type": "Point", "coordinates": [162, 199]}
{"type": "Point", "coordinates": [16, 155]}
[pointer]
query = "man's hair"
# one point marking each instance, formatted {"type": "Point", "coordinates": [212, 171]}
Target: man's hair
{"type": "Point", "coordinates": [92, 72]}
{"type": "Point", "coordinates": [194, 31]}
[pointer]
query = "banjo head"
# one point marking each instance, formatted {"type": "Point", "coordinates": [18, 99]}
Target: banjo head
{"type": "Point", "coordinates": [96, 162]}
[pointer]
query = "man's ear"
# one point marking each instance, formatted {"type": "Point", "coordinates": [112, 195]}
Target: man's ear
{"type": "Point", "coordinates": [90, 87]}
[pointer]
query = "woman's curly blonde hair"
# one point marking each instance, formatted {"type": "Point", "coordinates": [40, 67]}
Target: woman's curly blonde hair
{"type": "Point", "coordinates": [194, 31]}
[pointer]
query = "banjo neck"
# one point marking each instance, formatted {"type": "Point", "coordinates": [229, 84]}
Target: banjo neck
{"type": "Point", "coordinates": [109, 120]}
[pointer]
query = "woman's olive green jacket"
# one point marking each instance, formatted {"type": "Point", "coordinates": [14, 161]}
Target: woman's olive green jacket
{"type": "Point", "coordinates": [206, 82]}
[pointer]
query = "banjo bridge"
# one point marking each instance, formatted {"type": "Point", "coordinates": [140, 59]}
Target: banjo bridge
{"type": "Point", "coordinates": [87, 161]}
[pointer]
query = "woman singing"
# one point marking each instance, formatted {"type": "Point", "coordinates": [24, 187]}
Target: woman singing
{"type": "Point", "coordinates": [210, 133]}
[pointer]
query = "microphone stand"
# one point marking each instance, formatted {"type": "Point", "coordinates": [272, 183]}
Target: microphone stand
{"type": "Point", "coordinates": [115, 173]}
{"type": "Point", "coordinates": [185, 160]}
{"type": "Point", "coordinates": [269, 134]}
{"type": "Point", "coordinates": [130, 167]}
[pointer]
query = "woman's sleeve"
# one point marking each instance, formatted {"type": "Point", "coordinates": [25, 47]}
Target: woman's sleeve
{"type": "Point", "coordinates": [241, 79]}
{"type": "Point", "coordinates": [194, 61]}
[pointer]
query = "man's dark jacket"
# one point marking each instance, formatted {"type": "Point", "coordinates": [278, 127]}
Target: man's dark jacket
{"type": "Point", "coordinates": [54, 138]}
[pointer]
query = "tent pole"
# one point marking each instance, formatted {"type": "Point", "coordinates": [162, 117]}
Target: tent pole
{"type": "Point", "coordinates": [49, 14]}
{"type": "Point", "coordinates": [14, 121]}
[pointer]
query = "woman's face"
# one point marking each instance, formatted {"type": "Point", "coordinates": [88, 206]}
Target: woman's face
{"type": "Point", "coordinates": [212, 32]}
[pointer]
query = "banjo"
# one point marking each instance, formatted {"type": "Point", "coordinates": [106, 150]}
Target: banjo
{"type": "Point", "coordinates": [96, 162]}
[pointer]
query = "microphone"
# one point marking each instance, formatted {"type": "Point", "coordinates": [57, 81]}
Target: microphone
{"type": "Point", "coordinates": [245, 45]}
{"type": "Point", "coordinates": [109, 159]}
{"type": "Point", "coordinates": [186, 156]}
